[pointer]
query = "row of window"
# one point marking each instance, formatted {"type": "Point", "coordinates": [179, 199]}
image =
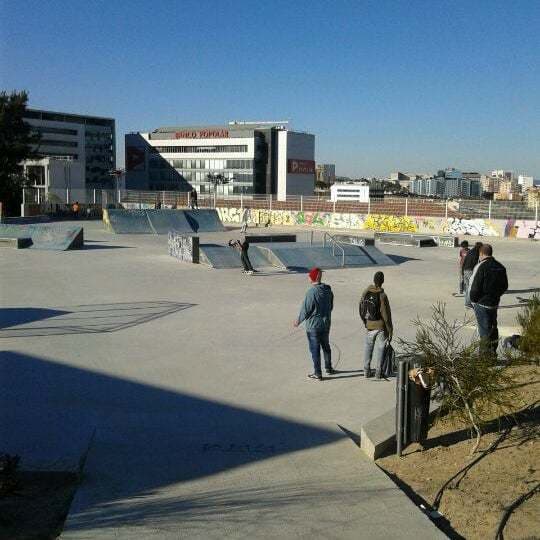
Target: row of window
{"type": "Point", "coordinates": [211, 163]}
{"type": "Point", "coordinates": [53, 130]}
{"type": "Point", "coordinates": [199, 149]}
{"type": "Point", "coordinates": [51, 142]}
{"type": "Point", "coordinates": [59, 154]}
{"type": "Point", "coordinates": [197, 177]}
{"type": "Point", "coordinates": [60, 117]}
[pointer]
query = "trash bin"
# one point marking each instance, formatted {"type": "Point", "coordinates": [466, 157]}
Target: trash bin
{"type": "Point", "coordinates": [418, 412]}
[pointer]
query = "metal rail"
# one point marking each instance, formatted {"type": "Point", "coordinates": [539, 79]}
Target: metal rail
{"type": "Point", "coordinates": [335, 244]}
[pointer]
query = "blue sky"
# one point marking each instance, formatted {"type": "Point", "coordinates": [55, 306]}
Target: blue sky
{"type": "Point", "coordinates": [384, 85]}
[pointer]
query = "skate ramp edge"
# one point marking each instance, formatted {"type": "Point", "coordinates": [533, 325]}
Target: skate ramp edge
{"type": "Point", "coordinates": [46, 236]}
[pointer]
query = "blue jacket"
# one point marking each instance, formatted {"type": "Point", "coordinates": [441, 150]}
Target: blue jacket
{"type": "Point", "coordinates": [317, 308]}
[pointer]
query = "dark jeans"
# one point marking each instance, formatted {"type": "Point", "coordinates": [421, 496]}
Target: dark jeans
{"type": "Point", "coordinates": [246, 263]}
{"type": "Point", "coordinates": [487, 326]}
{"type": "Point", "coordinates": [318, 340]}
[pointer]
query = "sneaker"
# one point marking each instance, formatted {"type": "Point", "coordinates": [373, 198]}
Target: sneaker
{"type": "Point", "coordinates": [368, 374]}
{"type": "Point", "coordinates": [331, 371]}
{"type": "Point", "coordinates": [315, 376]}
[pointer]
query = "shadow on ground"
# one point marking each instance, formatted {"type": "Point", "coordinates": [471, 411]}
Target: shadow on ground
{"type": "Point", "coordinates": [146, 438]}
{"type": "Point", "coordinates": [85, 319]}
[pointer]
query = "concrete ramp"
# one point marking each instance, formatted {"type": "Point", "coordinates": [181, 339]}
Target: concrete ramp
{"type": "Point", "coordinates": [219, 256]}
{"type": "Point", "coordinates": [163, 221]}
{"type": "Point", "coordinates": [46, 236]}
{"type": "Point", "coordinates": [303, 256]}
{"type": "Point", "coordinates": [206, 220]}
{"type": "Point", "coordinates": [121, 221]}
{"type": "Point", "coordinates": [127, 221]}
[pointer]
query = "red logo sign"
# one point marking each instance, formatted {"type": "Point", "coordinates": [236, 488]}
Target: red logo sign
{"type": "Point", "coordinates": [300, 166]}
{"type": "Point", "coordinates": [202, 134]}
{"type": "Point", "coordinates": [135, 158]}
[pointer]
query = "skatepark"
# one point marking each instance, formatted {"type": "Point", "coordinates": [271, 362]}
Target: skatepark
{"type": "Point", "coordinates": [180, 389]}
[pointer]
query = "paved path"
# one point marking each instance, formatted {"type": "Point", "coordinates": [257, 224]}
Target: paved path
{"type": "Point", "coordinates": [195, 381]}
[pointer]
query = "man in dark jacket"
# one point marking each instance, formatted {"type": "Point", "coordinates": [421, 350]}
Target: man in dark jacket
{"type": "Point", "coordinates": [470, 261]}
{"type": "Point", "coordinates": [374, 309]}
{"type": "Point", "coordinates": [488, 283]}
{"type": "Point", "coordinates": [316, 311]}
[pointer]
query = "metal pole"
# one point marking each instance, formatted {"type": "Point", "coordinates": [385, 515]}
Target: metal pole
{"type": "Point", "coordinates": [311, 237]}
{"type": "Point", "coordinates": [369, 205]}
{"type": "Point", "coordinates": [301, 203]}
{"type": "Point", "coordinates": [446, 209]}
{"type": "Point", "coordinates": [189, 199]}
{"type": "Point", "coordinates": [214, 199]}
{"type": "Point", "coordinates": [406, 206]}
{"type": "Point", "coordinates": [270, 196]}
{"type": "Point", "coordinates": [95, 196]}
{"type": "Point", "coordinates": [489, 210]}
{"type": "Point", "coordinates": [334, 209]}
{"type": "Point", "coordinates": [241, 202]}
{"type": "Point", "coordinates": [536, 211]}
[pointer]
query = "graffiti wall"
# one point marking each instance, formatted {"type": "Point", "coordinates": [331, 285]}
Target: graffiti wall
{"type": "Point", "coordinates": [267, 218]}
{"type": "Point", "coordinates": [472, 227]}
{"type": "Point", "coordinates": [375, 222]}
{"type": "Point", "coordinates": [522, 228]}
{"type": "Point", "coordinates": [184, 248]}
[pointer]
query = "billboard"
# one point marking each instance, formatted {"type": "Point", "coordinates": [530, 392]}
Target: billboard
{"type": "Point", "coordinates": [300, 166]}
{"type": "Point", "coordinates": [135, 158]}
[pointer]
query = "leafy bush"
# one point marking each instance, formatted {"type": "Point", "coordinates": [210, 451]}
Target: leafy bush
{"type": "Point", "coordinates": [471, 385]}
{"type": "Point", "coordinates": [529, 320]}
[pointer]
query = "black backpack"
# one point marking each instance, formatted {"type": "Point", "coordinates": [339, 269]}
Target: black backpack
{"type": "Point", "coordinates": [370, 307]}
{"type": "Point", "coordinates": [388, 364]}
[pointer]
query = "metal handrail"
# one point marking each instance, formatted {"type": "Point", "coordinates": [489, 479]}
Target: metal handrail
{"type": "Point", "coordinates": [335, 244]}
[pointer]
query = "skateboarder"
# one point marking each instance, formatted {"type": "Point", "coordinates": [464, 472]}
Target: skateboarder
{"type": "Point", "coordinates": [470, 261]}
{"type": "Point", "coordinates": [464, 249]}
{"type": "Point", "coordinates": [316, 311]}
{"type": "Point", "coordinates": [243, 248]}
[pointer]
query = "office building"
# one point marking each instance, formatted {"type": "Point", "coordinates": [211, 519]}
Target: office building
{"type": "Point", "coordinates": [87, 140]}
{"type": "Point", "coordinates": [250, 158]}
{"type": "Point", "coordinates": [448, 183]}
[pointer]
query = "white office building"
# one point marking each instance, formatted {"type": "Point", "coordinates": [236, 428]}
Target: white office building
{"type": "Point", "coordinates": [248, 158]}
{"type": "Point", "coordinates": [525, 182]}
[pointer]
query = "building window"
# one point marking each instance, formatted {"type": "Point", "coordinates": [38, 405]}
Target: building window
{"type": "Point", "coordinates": [53, 130]}
{"type": "Point", "coordinates": [49, 142]}
{"type": "Point", "coordinates": [199, 149]}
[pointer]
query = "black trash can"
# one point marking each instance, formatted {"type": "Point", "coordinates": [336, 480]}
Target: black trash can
{"type": "Point", "coordinates": [418, 412]}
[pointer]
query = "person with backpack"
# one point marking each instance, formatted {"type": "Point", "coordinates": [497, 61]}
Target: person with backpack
{"type": "Point", "coordinates": [316, 311]}
{"type": "Point", "coordinates": [488, 283]}
{"type": "Point", "coordinates": [374, 309]}
{"type": "Point", "coordinates": [470, 261]}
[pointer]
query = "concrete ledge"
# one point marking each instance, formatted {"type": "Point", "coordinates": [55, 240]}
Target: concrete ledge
{"type": "Point", "coordinates": [16, 243]}
{"type": "Point", "coordinates": [378, 435]}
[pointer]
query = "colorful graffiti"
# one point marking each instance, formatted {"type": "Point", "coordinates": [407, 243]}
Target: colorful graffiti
{"type": "Point", "coordinates": [522, 228]}
{"type": "Point", "coordinates": [384, 223]}
{"type": "Point", "coordinates": [472, 227]}
{"type": "Point", "coordinates": [184, 248]}
{"type": "Point", "coordinates": [266, 218]}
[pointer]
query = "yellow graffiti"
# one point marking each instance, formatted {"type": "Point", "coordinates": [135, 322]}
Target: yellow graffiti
{"type": "Point", "coordinates": [383, 223]}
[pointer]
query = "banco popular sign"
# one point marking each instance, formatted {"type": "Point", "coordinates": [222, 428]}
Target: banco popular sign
{"type": "Point", "coordinates": [300, 166]}
{"type": "Point", "coordinates": [202, 134]}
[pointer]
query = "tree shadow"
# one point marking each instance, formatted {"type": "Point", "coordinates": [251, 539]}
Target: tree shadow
{"type": "Point", "coordinates": [527, 417]}
{"type": "Point", "coordinates": [144, 439]}
{"type": "Point", "coordinates": [85, 319]}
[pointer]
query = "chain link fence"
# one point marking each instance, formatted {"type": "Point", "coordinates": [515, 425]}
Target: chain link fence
{"type": "Point", "coordinates": [395, 206]}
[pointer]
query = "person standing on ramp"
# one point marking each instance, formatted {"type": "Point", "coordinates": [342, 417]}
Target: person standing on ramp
{"type": "Point", "coordinates": [243, 248]}
{"type": "Point", "coordinates": [316, 311]}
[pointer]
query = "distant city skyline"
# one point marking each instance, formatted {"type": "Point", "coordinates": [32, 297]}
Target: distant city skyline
{"type": "Point", "coordinates": [383, 86]}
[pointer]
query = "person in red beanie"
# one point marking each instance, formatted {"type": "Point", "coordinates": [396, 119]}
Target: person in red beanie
{"type": "Point", "coordinates": [316, 312]}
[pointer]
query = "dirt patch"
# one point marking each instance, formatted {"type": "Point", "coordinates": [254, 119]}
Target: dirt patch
{"type": "Point", "coordinates": [38, 507]}
{"type": "Point", "coordinates": [476, 504]}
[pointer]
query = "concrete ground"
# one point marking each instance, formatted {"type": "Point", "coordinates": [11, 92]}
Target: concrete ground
{"type": "Point", "coordinates": [191, 383]}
